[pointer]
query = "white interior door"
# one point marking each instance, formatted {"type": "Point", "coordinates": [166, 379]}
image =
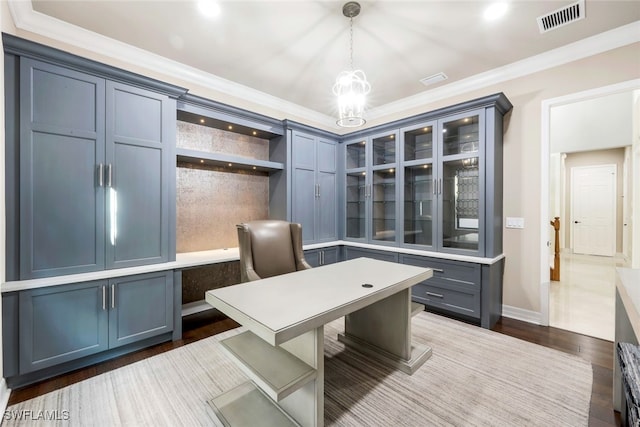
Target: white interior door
{"type": "Point", "coordinates": [593, 209]}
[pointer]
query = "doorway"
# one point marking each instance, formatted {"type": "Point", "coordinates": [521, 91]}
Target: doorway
{"type": "Point", "coordinates": [551, 208]}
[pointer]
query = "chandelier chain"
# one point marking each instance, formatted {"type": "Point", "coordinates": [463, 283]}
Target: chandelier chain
{"type": "Point", "coordinates": [351, 42]}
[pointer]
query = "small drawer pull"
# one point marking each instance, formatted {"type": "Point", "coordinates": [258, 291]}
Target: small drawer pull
{"type": "Point", "coordinates": [438, 270]}
{"type": "Point", "coordinates": [431, 294]}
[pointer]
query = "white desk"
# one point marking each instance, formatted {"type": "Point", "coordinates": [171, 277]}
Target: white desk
{"type": "Point", "coordinates": [288, 314]}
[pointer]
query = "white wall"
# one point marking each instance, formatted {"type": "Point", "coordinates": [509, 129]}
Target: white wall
{"type": "Point", "coordinates": [635, 165]}
{"type": "Point", "coordinates": [594, 124]}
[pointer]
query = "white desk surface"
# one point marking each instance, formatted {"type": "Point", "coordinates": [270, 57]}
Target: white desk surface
{"type": "Point", "coordinates": [282, 307]}
{"type": "Point", "coordinates": [628, 285]}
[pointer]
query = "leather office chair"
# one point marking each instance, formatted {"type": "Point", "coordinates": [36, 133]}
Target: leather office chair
{"type": "Point", "coordinates": [270, 248]}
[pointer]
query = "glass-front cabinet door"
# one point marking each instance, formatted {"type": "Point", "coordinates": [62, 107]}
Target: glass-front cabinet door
{"type": "Point", "coordinates": [356, 189]}
{"type": "Point", "coordinates": [460, 183]}
{"type": "Point", "coordinates": [371, 188]}
{"type": "Point", "coordinates": [418, 210]}
{"type": "Point", "coordinates": [442, 180]}
{"type": "Point", "coordinates": [383, 187]}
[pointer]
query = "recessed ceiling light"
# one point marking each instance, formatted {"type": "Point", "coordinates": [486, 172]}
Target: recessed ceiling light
{"type": "Point", "coordinates": [209, 8]}
{"type": "Point", "coordinates": [495, 10]}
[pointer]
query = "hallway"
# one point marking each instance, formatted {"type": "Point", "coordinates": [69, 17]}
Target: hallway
{"type": "Point", "coordinates": [583, 301]}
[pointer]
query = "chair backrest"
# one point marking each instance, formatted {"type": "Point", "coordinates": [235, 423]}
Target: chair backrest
{"type": "Point", "coordinates": [269, 248]}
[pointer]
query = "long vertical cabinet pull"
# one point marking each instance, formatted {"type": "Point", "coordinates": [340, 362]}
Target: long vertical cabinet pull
{"type": "Point", "coordinates": [109, 175]}
{"type": "Point", "coordinates": [104, 297]}
{"type": "Point", "coordinates": [113, 296]}
{"type": "Point", "coordinates": [435, 186]}
{"type": "Point", "coordinates": [100, 175]}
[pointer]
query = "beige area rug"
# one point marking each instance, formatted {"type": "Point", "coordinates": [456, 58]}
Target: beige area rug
{"type": "Point", "coordinates": [475, 377]}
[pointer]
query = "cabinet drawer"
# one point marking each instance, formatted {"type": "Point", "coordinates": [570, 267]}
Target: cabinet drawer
{"type": "Point", "coordinates": [447, 272]}
{"type": "Point", "coordinates": [352, 253]}
{"type": "Point", "coordinates": [453, 298]}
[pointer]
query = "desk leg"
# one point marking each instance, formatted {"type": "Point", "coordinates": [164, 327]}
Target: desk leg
{"type": "Point", "coordinates": [306, 405]}
{"type": "Point", "coordinates": [383, 331]}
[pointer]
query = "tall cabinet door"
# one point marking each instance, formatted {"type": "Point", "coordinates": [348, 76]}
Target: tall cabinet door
{"type": "Point", "coordinates": [138, 132]}
{"type": "Point", "coordinates": [61, 153]}
{"type": "Point", "coordinates": [327, 209]}
{"type": "Point", "coordinates": [461, 184]}
{"type": "Point", "coordinates": [304, 186]}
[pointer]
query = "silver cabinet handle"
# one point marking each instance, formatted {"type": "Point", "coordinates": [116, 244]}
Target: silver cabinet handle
{"type": "Point", "coordinates": [440, 186]}
{"type": "Point", "coordinates": [113, 296]}
{"type": "Point", "coordinates": [435, 186]}
{"type": "Point", "coordinates": [109, 175]}
{"type": "Point", "coordinates": [431, 294]}
{"type": "Point", "coordinates": [100, 175]}
{"type": "Point", "coordinates": [321, 257]}
{"type": "Point", "coordinates": [438, 270]}
{"type": "Point", "coordinates": [318, 185]}
{"type": "Point", "coordinates": [104, 297]}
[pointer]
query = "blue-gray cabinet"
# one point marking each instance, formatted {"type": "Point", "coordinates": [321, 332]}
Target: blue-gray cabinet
{"type": "Point", "coordinates": [63, 323]}
{"type": "Point", "coordinates": [96, 167]}
{"type": "Point", "coordinates": [429, 182]}
{"type": "Point", "coordinates": [445, 194]}
{"type": "Point", "coordinates": [314, 186]}
{"type": "Point", "coordinates": [323, 256]}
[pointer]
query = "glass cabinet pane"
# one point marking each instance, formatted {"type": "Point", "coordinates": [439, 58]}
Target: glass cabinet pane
{"type": "Point", "coordinates": [355, 198]}
{"type": "Point", "coordinates": [460, 204]}
{"type": "Point", "coordinates": [384, 150]}
{"type": "Point", "coordinates": [461, 136]}
{"type": "Point", "coordinates": [384, 205]}
{"type": "Point", "coordinates": [418, 143]}
{"type": "Point", "coordinates": [418, 204]}
{"type": "Point", "coordinates": [356, 155]}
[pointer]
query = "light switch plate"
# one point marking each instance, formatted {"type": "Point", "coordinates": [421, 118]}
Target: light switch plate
{"type": "Point", "coordinates": [513, 222]}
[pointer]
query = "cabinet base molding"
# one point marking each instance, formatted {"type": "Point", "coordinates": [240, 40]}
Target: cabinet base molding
{"type": "Point", "coordinates": [419, 354]}
{"type": "Point", "coordinates": [33, 377]}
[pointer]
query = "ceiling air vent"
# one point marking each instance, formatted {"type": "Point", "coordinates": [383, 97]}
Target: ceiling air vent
{"type": "Point", "coordinates": [560, 17]}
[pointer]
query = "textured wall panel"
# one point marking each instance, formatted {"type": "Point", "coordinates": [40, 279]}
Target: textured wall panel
{"type": "Point", "coordinates": [196, 137]}
{"type": "Point", "coordinates": [196, 281]}
{"type": "Point", "coordinates": [211, 202]}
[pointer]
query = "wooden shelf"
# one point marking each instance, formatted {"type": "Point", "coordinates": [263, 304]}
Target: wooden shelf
{"type": "Point", "coordinates": [226, 160]}
{"type": "Point", "coordinates": [276, 371]}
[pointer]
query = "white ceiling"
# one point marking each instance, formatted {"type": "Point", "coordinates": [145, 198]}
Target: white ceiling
{"type": "Point", "coordinates": [293, 50]}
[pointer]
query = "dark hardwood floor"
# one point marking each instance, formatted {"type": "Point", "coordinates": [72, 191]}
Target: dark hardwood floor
{"type": "Point", "coordinates": [598, 352]}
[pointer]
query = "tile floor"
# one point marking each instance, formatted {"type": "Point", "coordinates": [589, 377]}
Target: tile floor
{"type": "Point", "coordinates": [583, 301]}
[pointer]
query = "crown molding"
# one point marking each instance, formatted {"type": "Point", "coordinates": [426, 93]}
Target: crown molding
{"type": "Point", "coordinates": [590, 46]}
{"type": "Point", "coordinates": [25, 18]}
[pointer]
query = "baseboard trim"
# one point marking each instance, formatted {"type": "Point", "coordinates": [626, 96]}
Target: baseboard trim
{"type": "Point", "coordinates": [5, 392]}
{"type": "Point", "coordinates": [521, 314]}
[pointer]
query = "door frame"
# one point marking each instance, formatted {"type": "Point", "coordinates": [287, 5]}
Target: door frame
{"type": "Point", "coordinates": [545, 139]}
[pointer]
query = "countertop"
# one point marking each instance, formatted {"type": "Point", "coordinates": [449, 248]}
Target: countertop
{"type": "Point", "coordinates": [628, 286]}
